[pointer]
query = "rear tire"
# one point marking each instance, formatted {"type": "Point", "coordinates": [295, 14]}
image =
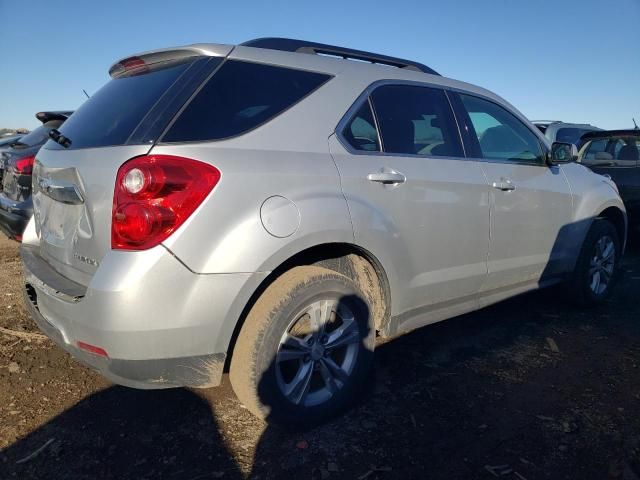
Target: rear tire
{"type": "Point", "coordinates": [305, 350]}
{"type": "Point", "coordinates": [597, 266]}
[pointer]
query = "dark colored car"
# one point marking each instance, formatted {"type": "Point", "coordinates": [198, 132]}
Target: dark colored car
{"type": "Point", "coordinates": [616, 153]}
{"type": "Point", "coordinates": [16, 167]}
{"type": "Point", "coordinates": [6, 142]}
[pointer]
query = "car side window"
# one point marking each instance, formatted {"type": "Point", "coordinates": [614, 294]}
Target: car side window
{"type": "Point", "coordinates": [595, 147]}
{"type": "Point", "coordinates": [626, 152]}
{"type": "Point", "coordinates": [416, 120]}
{"type": "Point", "coordinates": [501, 135]}
{"type": "Point", "coordinates": [361, 132]}
{"type": "Point", "coordinates": [611, 152]}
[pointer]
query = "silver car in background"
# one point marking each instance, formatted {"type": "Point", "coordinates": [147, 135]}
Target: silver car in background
{"type": "Point", "coordinates": [269, 209]}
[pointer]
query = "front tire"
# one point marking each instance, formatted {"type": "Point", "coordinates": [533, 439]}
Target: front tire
{"type": "Point", "coordinates": [597, 266]}
{"type": "Point", "coordinates": [306, 348]}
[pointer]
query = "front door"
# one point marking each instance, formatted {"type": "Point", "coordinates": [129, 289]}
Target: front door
{"type": "Point", "coordinates": [531, 207]}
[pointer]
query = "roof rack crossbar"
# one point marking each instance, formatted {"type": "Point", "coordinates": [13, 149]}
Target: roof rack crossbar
{"type": "Point", "coordinates": [302, 46]}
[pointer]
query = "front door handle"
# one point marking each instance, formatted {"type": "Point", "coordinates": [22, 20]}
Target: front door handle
{"type": "Point", "coordinates": [387, 178]}
{"type": "Point", "coordinates": [504, 184]}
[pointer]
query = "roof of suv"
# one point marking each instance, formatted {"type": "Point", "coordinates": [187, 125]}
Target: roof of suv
{"type": "Point", "coordinates": [305, 55]}
{"type": "Point", "coordinates": [358, 70]}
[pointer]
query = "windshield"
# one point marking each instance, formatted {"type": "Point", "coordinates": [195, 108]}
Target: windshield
{"type": "Point", "coordinates": [39, 135]}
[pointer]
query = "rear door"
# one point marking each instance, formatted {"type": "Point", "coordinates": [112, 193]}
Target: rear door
{"type": "Point", "coordinates": [74, 184]}
{"type": "Point", "coordinates": [531, 203]}
{"type": "Point", "coordinates": [415, 200]}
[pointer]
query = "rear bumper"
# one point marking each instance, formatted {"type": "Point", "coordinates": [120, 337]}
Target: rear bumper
{"type": "Point", "coordinates": [160, 324]}
{"type": "Point", "coordinates": [197, 371]}
{"type": "Point", "coordinates": [14, 216]}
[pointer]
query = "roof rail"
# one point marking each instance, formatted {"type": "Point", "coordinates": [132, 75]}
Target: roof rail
{"type": "Point", "coordinates": [303, 46]}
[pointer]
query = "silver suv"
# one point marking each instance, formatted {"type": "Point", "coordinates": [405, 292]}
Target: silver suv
{"type": "Point", "coordinates": [270, 209]}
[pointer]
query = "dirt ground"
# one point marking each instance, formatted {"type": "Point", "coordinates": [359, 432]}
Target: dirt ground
{"type": "Point", "coordinates": [528, 389]}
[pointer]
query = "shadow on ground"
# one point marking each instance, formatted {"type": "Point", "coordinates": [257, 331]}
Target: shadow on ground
{"type": "Point", "coordinates": [527, 389]}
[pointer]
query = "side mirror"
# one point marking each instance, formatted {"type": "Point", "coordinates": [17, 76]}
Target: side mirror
{"type": "Point", "coordinates": [563, 153]}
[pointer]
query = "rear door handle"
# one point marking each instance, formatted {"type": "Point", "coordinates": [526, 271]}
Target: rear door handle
{"type": "Point", "coordinates": [387, 177]}
{"type": "Point", "coordinates": [504, 184]}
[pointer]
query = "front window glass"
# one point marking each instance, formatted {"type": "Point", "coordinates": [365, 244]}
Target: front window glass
{"type": "Point", "coordinates": [501, 135]}
{"type": "Point", "coordinates": [595, 147]}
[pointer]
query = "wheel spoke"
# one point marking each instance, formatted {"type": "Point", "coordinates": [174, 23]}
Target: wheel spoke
{"type": "Point", "coordinates": [335, 370]}
{"type": "Point", "coordinates": [294, 343]}
{"type": "Point", "coordinates": [287, 355]}
{"type": "Point", "coordinates": [345, 335]}
{"type": "Point", "coordinates": [608, 251]}
{"type": "Point", "coordinates": [605, 274]}
{"type": "Point", "coordinates": [320, 314]}
{"type": "Point", "coordinates": [595, 281]}
{"type": "Point", "coordinates": [297, 390]}
{"type": "Point", "coordinates": [329, 381]}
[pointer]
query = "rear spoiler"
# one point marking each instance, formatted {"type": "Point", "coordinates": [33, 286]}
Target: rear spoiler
{"type": "Point", "coordinates": [45, 117]}
{"type": "Point", "coordinates": [144, 60]}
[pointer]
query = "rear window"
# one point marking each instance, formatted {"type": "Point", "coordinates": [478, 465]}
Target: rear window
{"type": "Point", "coordinates": [240, 97]}
{"type": "Point", "coordinates": [570, 135]}
{"type": "Point", "coordinates": [112, 114]}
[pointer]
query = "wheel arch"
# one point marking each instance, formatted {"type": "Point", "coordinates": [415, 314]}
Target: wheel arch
{"type": "Point", "coordinates": [619, 220]}
{"type": "Point", "coordinates": [348, 259]}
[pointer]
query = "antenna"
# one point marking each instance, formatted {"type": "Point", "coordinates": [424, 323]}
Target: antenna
{"type": "Point", "coordinates": [634, 122]}
{"type": "Point", "coordinates": [85, 92]}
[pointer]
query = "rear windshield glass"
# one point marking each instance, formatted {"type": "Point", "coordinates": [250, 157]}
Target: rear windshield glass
{"type": "Point", "coordinates": [570, 135]}
{"type": "Point", "coordinates": [112, 114]}
{"type": "Point", "coordinates": [39, 135]}
{"type": "Point", "coordinates": [239, 97]}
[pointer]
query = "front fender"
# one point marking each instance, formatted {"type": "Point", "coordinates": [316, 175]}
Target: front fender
{"type": "Point", "coordinates": [592, 194]}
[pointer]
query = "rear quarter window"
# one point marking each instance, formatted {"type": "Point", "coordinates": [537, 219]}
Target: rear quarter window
{"type": "Point", "coordinates": [239, 97]}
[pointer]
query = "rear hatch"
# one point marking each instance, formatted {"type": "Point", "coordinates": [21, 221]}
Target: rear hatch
{"type": "Point", "coordinates": [73, 184]}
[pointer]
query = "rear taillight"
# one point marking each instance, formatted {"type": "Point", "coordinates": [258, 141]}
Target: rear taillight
{"type": "Point", "coordinates": [154, 195]}
{"type": "Point", "coordinates": [24, 166]}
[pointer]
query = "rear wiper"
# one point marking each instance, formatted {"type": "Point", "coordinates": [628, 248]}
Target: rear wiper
{"type": "Point", "coordinates": [18, 143]}
{"type": "Point", "coordinates": [57, 137]}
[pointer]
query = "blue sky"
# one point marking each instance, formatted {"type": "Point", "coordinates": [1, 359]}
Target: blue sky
{"type": "Point", "coordinates": [575, 60]}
